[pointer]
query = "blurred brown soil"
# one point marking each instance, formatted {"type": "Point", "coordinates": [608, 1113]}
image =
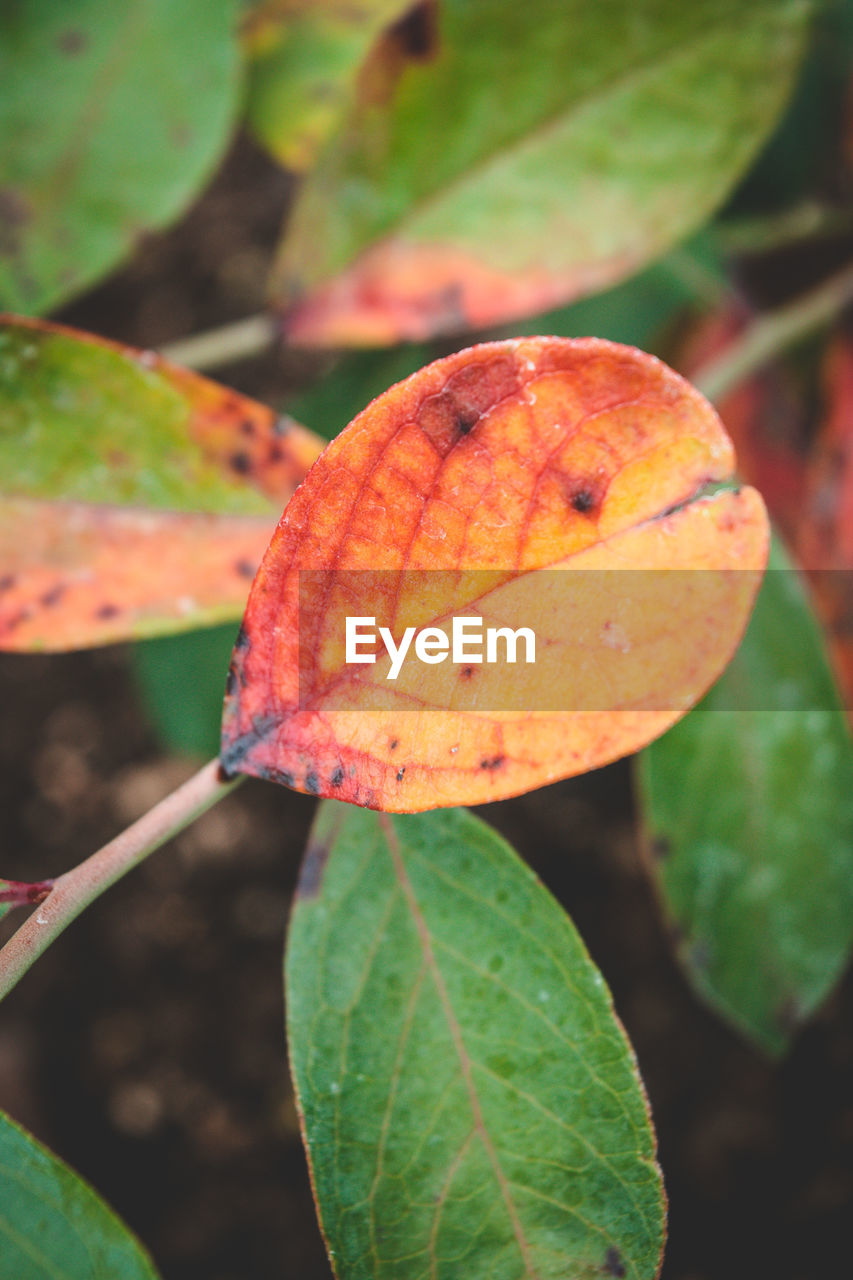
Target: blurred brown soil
{"type": "Point", "coordinates": [147, 1047]}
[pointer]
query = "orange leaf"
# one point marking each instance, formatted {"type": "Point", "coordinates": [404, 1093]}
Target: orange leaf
{"type": "Point", "coordinates": [137, 497]}
{"type": "Point", "coordinates": [509, 457]}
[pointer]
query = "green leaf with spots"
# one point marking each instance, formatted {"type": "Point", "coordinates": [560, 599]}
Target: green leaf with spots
{"type": "Point", "coordinates": [304, 57]}
{"type": "Point", "coordinates": [748, 807]}
{"type": "Point", "coordinates": [136, 498]}
{"type": "Point", "coordinates": [52, 1224]}
{"type": "Point", "coordinates": [539, 152]}
{"type": "Point", "coordinates": [111, 118]}
{"type": "Point", "coordinates": [470, 1102]}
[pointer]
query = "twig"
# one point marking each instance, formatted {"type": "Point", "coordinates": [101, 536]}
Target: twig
{"type": "Point", "coordinates": [770, 334]}
{"type": "Point", "coordinates": [806, 221]}
{"type": "Point", "coordinates": [249, 337]}
{"type": "Point", "coordinates": [74, 890]}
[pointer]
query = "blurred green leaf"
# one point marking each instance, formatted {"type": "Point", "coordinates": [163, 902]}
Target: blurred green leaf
{"type": "Point", "coordinates": [749, 815]}
{"type": "Point", "coordinates": [505, 173]}
{"type": "Point", "coordinates": [52, 1224]}
{"type": "Point", "coordinates": [471, 1104]}
{"type": "Point", "coordinates": [182, 683]}
{"type": "Point", "coordinates": [111, 118]}
{"type": "Point", "coordinates": [304, 56]}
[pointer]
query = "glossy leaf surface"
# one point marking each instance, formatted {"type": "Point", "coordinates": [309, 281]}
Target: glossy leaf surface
{"type": "Point", "coordinates": [136, 498]}
{"type": "Point", "coordinates": [470, 1102]}
{"type": "Point", "coordinates": [537, 153]}
{"type": "Point", "coordinates": [304, 57]}
{"type": "Point", "coordinates": [508, 457]}
{"type": "Point", "coordinates": [52, 1224]}
{"type": "Point", "coordinates": [749, 815]}
{"type": "Point", "coordinates": [111, 117]}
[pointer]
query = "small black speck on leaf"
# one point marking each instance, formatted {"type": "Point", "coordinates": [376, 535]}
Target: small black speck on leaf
{"type": "Point", "coordinates": [583, 501]}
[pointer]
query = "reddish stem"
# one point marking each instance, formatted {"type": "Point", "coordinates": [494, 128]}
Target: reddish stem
{"type": "Point", "coordinates": [18, 893]}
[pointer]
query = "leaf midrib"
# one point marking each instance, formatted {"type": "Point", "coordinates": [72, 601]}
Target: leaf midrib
{"type": "Point", "coordinates": [456, 1035]}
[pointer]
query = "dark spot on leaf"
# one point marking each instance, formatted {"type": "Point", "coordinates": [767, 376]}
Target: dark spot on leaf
{"type": "Point", "coordinates": [244, 568]}
{"type": "Point", "coordinates": [492, 762]}
{"type": "Point", "coordinates": [416, 33]}
{"type": "Point", "coordinates": [451, 414]}
{"type": "Point", "coordinates": [73, 42]}
{"type": "Point", "coordinates": [613, 1264]}
{"type": "Point", "coordinates": [393, 744]}
{"type": "Point", "coordinates": [466, 420]}
{"type": "Point", "coordinates": [234, 752]}
{"type": "Point", "coordinates": [337, 777]}
{"type": "Point", "coordinates": [53, 596]}
{"type": "Point", "coordinates": [583, 501]}
{"type": "Point", "coordinates": [247, 426]}
{"type": "Point", "coordinates": [400, 773]}
{"type": "Point", "coordinates": [311, 872]}
{"type": "Point", "coordinates": [106, 611]}
{"type": "Point", "coordinates": [312, 784]}
{"type": "Point", "coordinates": [241, 463]}
{"type": "Point", "coordinates": [467, 672]}
{"type": "Point", "coordinates": [275, 454]}
{"type": "Point", "coordinates": [7, 582]}
{"type": "Point", "coordinates": [661, 847]}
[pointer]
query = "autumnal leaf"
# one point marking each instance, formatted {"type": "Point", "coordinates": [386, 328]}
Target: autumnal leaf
{"type": "Point", "coordinates": [53, 1226]}
{"type": "Point", "coordinates": [748, 808]}
{"type": "Point", "coordinates": [304, 57]}
{"type": "Point", "coordinates": [137, 497]}
{"type": "Point", "coordinates": [111, 118]}
{"type": "Point", "coordinates": [503, 459]}
{"type": "Point", "coordinates": [469, 1101]}
{"type": "Point", "coordinates": [544, 151]}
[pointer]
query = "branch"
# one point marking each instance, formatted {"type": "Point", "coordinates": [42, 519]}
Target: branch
{"type": "Point", "coordinates": [74, 890]}
{"type": "Point", "coordinates": [770, 334]}
{"type": "Point", "coordinates": [249, 337]}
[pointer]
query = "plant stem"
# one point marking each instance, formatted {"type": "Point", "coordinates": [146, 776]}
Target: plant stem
{"type": "Point", "coordinates": [74, 890]}
{"type": "Point", "coordinates": [772, 333]}
{"type": "Point", "coordinates": [805, 221]}
{"type": "Point", "coordinates": [249, 337]}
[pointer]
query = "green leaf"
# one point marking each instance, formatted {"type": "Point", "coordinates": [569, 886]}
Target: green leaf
{"type": "Point", "coordinates": [470, 1102]}
{"type": "Point", "coordinates": [749, 814]}
{"type": "Point", "coordinates": [111, 118]}
{"type": "Point", "coordinates": [52, 1224]}
{"type": "Point", "coordinates": [543, 152]}
{"type": "Point", "coordinates": [304, 56]}
{"type": "Point", "coordinates": [182, 682]}
{"type": "Point", "coordinates": [81, 419]}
